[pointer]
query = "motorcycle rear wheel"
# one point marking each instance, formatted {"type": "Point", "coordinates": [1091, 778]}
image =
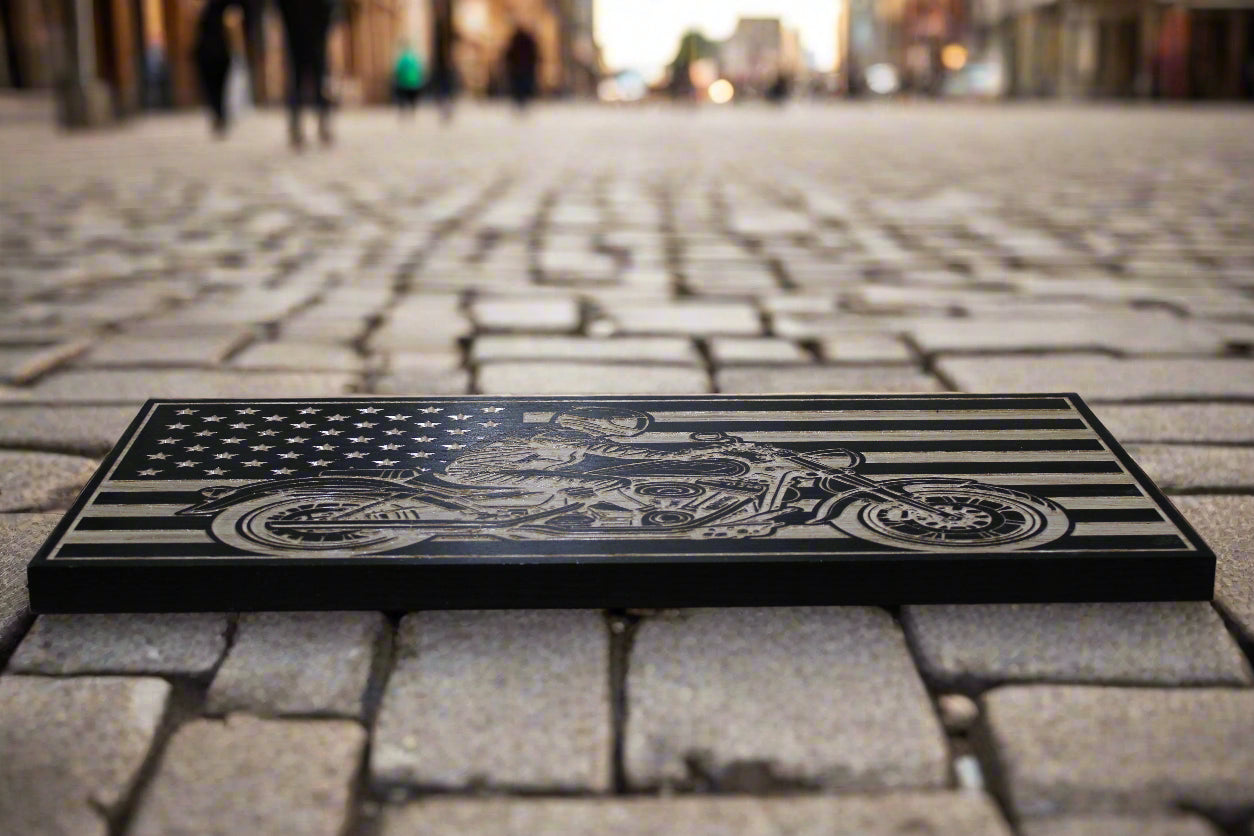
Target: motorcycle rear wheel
{"type": "Point", "coordinates": [991, 519]}
{"type": "Point", "coordinates": [251, 527]}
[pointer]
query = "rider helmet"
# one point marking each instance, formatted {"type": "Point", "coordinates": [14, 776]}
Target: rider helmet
{"type": "Point", "coordinates": [603, 420]}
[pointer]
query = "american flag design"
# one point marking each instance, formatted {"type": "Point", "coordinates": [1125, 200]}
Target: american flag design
{"type": "Point", "coordinates": [703, 475]}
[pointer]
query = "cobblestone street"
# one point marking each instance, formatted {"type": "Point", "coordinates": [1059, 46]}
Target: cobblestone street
{"type": "Point", "coordinates": [894, 248]}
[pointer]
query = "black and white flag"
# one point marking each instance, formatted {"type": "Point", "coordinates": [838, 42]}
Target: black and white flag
{"type": "Point", "coordinates": [703, 478]}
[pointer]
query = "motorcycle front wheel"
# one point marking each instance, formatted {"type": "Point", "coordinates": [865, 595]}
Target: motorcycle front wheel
{"type": "Point", "coordinates": [272, 525]}
{"type": "Point", "coordinates": [972, 517]}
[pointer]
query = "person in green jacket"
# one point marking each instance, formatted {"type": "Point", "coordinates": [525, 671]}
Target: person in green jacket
{"type": "Point", "coordinates": [408, 78]}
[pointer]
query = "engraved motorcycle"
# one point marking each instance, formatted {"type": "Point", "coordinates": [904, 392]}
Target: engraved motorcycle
{"type": "Point", "coordinates": [742, 490]}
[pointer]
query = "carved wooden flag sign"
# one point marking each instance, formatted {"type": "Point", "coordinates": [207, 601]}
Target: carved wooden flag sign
{"type": "Point", "coordinates": [632, 501]}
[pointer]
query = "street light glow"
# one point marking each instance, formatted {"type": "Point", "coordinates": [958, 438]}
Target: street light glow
{"type": "Point", "coordinates": [721, 91]}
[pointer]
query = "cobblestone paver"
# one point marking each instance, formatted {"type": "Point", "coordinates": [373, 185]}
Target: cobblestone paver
{"type": "Point", "coordinates": [921, 248]}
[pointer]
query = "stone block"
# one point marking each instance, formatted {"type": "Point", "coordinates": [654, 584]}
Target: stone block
{"type": "Point", "coordinates": [565, 378]}
{"type": "Point", "coordinates": [1226, 523]}
{"type": "Point", "coordinates": [245, 775]}
{"type": "Point", "coordinates": [38, 481]}
{"type": "Point", "coordinates": [725, 697]}
{"type": "Point", "coordinates": [674, 350]}
{"type": "Point", "coordinates": [752, 351]}
{"type": "Point", "coordinates": [1144, 333]}
{"type": "Point", "coordinates": [83, 430]}
{"type": "Point", "coordinates": [865, 348]}
{"type": "Point", "coordinates": [1158, 643]}
{"type": "Point", "coordinates": [129, 386]}
{"type": "Point", "coordinates": [1081, 749]}
{"type": "Point", "coordinates": [510, 699]}
{"type": "Point", "coordinates": [557, 314]}
{"type": "Point", "coordinates": [22, 365]}
{"type": "Point", "coordinates": [188, 644]}
{"type": "Point", "coordinates": [299, 356]}
{"type": "Point", "coordinates": [420, 382]}
{"type": "Point", "coordinates": [1160, 825]}
{"type": "Point", "coordinates": [689, 318]}
{"type": "Point", "coordinates": [1196, 467]}
{"type": "Point", "coordinates": [317, 663]}
{"type": "Point", "coordinates": [826, 379]}
{"type": "Point", "coordinates": [73, 749]}
{"type": "Point", "coordinates": [176, 350]}
{"type": "Point", "coordinates": [1099, 378]}
{"type": "Point", "coordinates": [21, 535]}
{"type": "Point", "coordinates": [970, 814]}
{"type": "Point", "coordinates": [1182, 422]}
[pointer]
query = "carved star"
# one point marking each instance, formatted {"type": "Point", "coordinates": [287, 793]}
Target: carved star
{"type": "Point", "coordinates": [156, 455]}
{"type": "Point", "coordinates": [289, 455]}
{"type": "Point", "coordinates": [167, 441]}
{"type": "Point", "coordinates": [424, 470]}
{"type": "Point", "coordinates": [196, 448]}
{"type": "Point", "coordinates": [331, 432]}
{"type": "Point", "coordinates": [281, 471]}
{"type": "Point", "coordinates": [389, 446]}
{"type": "Point", "coordinates": [274, 417]}
{"type": "Point", "coordinates": [453, 446]}
{"type": "Point", "coordinates": [297, 439]}
{"type": "Point", "coordinates": [431, 410]}
{"type": "Point", "coordinates": [335, 417]}
{"type": "Point", "coordinates": [457, 432]}
{"type": "Point", "coordinates": [459, 417]}
{"type": "Point", "coordinates": [386, 462]}
{"type": "Point", "coordinates": [212, 418]}
{"type": "Point", "coordinates": [232, 440]}
{"type": "Point", "coordinates": [268, 432]}
{"type": "Point", "coordinates": [149, 472]}
{"type": "Point", "coordinates": [420, 455]}
{"type": "Point", "coordinates": [426, 424]}
{"type": "Point", "coordinates": [187, 463]}
{"type": "Point", "coordinates": [493, 409]}
{"type": "Point", "coordinates": [206, 433]}
{"type": "Point", "coordinates": [360, 439]}
{"type": "Point", "coordinates": [246, 411]}
{"type": "Point", "coordinates": [325, 447]}
{"type": "Point", "coordinates": [319, 462]}
{"type": "Point", "coordinates": [224, 455]}
{"type": "Point", "coordinates": [423, 439]}
{"type": "Point", "coordinates": [395, 417]}
{"type": "Point", "coordinates": [302, 425]}
{"type": "Point", "coordinates": [215, 471]}
{"type": "Point", "coordinates": [356, 455]}
{"type": "Point", "coordinates": [365, 425]}
{"type": "Point", "coordinates": [252, 463]}
{"type": "Point", "coordinates": [177, 427]}
{"type": "Point", "coordinates": [261, 448]}
{"type": "Point", "coordinates": [186, 412]}
{"type": "Point", "coordinates": [240, 426]}
{"type": "Point", "coordinates": [309, 410]}
{"type": "Point", "coordinates": [393, 432]}
{"type": "Point", "coordinates": [369, 410]}
{"type": "Point", "coordinates": [489, 423]}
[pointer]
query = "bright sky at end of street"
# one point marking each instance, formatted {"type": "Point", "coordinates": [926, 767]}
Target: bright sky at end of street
{"type": "Point", "coordinates": [644, 34]}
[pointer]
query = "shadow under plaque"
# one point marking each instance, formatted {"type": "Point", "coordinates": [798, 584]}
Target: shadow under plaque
{"type": "Point", "coordinates": [627, 501]}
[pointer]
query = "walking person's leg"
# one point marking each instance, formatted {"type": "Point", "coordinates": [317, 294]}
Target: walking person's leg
{"type": "Point", "coordinates": [317, 54]}
{"type": "Point", "coordinates": [290, 11]}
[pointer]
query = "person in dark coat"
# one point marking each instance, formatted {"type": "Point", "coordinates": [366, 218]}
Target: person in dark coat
{"type": "Point", "coordinates": [521, 58]}
{"type": "Point", "coordinates": [305, 26]}
{"type": "Point", "coordinates": [212, 54]}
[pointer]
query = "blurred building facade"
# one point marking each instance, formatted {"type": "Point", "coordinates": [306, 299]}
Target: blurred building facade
{"type": "Point", "coordinates": [135, 54]}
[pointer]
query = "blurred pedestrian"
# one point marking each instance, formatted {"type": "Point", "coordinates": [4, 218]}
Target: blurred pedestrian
{"type": "Point", "coordinates": [521, 58]}
{"type": "Point", "coordinates": [305, 26]}
{"type": "Point", "coordinates": [443, 73]}
{"type": "Point", "coordinates": [212, 54]}
{"type": "Point", "coordinates": [407, 78]}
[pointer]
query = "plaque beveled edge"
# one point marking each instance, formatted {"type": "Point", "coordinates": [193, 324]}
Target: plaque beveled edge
{"type": "Point", "coordinates": [371, 583]}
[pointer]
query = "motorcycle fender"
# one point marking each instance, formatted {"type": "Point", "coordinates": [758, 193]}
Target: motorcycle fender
{"type": "Point", "coordinates": [317, 486]}
{"type": "Point", "coordinates": [831, 506]}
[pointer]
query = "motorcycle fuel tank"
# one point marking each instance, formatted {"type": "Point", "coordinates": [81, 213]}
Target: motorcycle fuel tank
{"type": "Point", "coordinates": [624, 501]}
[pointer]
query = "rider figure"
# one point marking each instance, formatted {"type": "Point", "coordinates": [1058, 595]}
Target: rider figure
{"type": "Point", "coordinates": [576, 452]}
